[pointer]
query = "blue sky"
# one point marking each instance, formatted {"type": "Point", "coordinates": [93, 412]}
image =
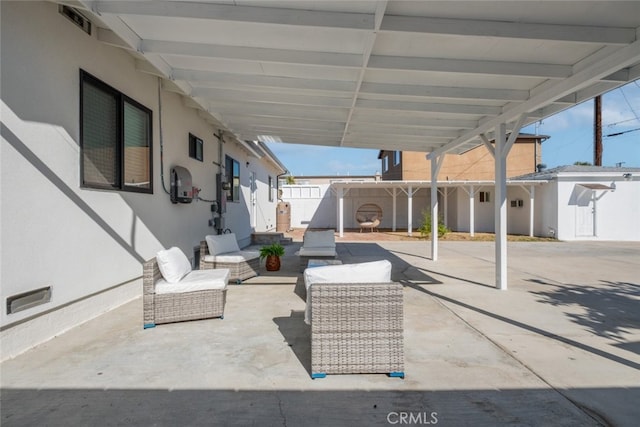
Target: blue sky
{"type": "Point", "coordinates": [571, 140]}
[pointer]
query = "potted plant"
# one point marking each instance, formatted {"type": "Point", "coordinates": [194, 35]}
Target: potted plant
{"type": "Point", "coordinates": [272, 253]}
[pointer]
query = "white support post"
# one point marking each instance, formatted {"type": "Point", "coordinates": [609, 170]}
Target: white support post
{"type": "Point", "coordinates": [436, 163]}
{"type": "Point", "coordinates": [500, 213]}
{"type": "Point", "coordinates": [394, 210]}
{"type": "Point", "coordinates": [410, 211]}
{"type": "Point", "coordinates": [472, 211]}
{"type": "Point", "coordinates": [532, 198]}
{"type": "Point", "coordinates": [340, 213]}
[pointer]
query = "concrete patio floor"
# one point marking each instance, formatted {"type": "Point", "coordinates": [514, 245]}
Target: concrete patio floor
{"type": "Point", "coordinates": [560, 347]}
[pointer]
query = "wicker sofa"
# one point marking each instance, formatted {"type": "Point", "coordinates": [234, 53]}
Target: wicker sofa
{"type": "Point", "coordinates": [357, 319]}
{"type": "Point", "coordinates": [222, 251]}
{"type": "Point", "coordinates": [181, 296]}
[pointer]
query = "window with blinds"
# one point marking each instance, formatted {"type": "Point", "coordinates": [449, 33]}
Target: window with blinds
{"type": "Point", "coordinates": [115, 138]}
{"type": "Point", "coordinates": [232, 169]}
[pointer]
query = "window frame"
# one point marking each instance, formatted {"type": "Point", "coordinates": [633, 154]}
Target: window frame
{"type": "Point", "coordinates": [484, 197]}
{"type": "Point", "coordinates": [233, 194]}
{"type": "Point", "coordinates": [396, 158]}
{"type": "Point", "coordinates": [120, 99]}
{"type": "Point", "coordinates": [385, 163]}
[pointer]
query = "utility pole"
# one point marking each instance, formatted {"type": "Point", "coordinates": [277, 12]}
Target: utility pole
{"type": "Point", "coordinates": [597, 131]}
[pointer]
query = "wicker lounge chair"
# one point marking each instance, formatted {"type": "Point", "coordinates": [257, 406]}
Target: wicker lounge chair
{"type": "Point", "coordinates": [168, 307]}
{"type": "Point", "coordinates": [355, 327]}
{"type": "Point", "coordinates": [241, 264]}
{"type": "Point", "coordinates": [369, 216]}
{"type": "Point", "coordinates": [317, 245]}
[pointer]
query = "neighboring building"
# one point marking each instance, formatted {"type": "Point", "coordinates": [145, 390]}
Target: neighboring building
{"type": "Point", "coordinates": [475, 164]}
{"type": "Point", "coordinates": [588, 203]}
{"type": "Point", "coordinates": [567, 203]}
{"type": "Point", "coordinates": [82, 207]}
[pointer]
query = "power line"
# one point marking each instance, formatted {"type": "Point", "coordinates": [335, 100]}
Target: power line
{"type": "Point", "coordinates": [622, 133]}
{"type": "Point", "coordinates": [622, 121]}
{"type": "Point", "coordinates": [629, 104]}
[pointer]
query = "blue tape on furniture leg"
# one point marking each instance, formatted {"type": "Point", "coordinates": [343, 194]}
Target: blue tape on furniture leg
{"type": "Point", "coordinates": [149, 325]}
{"type": "Point", "coordinates": [396, 374]}
{"type": "Point", "coordinates": [318, 375]}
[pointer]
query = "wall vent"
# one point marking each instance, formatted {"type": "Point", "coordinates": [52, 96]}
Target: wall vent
{"type": "Point", "coordinates": [76, 17]}
{"type": "Point", "coordinates": [19, 302]}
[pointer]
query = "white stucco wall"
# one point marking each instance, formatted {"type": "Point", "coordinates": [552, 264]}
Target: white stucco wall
{"type": "Point", "coordinates": [546, 210]}
{"type": "Point", "coordinates": [87, 244]}
{"type": "Point", "coordinates": [314, 206]}
{"type": "Point", "coordinates": [483, 211]}
{"type": "Point", "coordinates": [616, 212]}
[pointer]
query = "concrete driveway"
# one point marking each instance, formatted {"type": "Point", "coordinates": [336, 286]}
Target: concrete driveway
{"type": "Point", "coordinates": [560, 347]}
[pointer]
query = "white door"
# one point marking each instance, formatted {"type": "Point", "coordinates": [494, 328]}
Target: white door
{"type": "Point", "coordinates": [585, 213]}
{"type": "Point", "coordinates": [254, 200]}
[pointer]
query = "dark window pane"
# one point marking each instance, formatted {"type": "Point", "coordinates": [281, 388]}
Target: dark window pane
{"type": "Point", "coordinates": [136, 147]}
{"type": "Point", "coordinates": [99, 136]}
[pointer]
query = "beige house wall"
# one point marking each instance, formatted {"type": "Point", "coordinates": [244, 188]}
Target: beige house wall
{"type": "Point", "coordinates": [475, 164]}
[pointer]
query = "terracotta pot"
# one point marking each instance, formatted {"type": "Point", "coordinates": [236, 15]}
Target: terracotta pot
{"type": "Point", "coordinates": [272, 263]}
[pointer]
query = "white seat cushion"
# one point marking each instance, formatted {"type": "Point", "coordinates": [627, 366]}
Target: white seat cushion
{"type": "Point", "coordinates": [197, 280]}
{"type": "Point", "coordinates": [240, 256]}
{"type": "Point", "coordinates": [173, 264]}
{"type": "Point", "coordinates": [318, 251]}
{"type": "Point", "coordinates": [222, 243]}
{"type": "Point", "coordinates": [364, 272]}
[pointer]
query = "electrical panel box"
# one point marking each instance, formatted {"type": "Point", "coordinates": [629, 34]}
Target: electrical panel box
{"type": "Point", "coordinates": [181, 185]}
{"type": "Point", "coordinates": [222, 186]}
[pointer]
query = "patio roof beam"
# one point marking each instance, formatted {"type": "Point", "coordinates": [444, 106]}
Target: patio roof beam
{"type": "Point", "coordinates": [488, 145]}
{"type": "Point", "coordinates": [401, 131]}
{"type": "Point", "coordinates": [467, 66]}
{"type": "Point", "coordinates": [470, 93]}
{"type": "Point", "coordinates": [369, 42]}
{"type": "Point", "coordinates": [271, 98]}
{"type": "Point", "coordinates": [238, 13]}
{"type": "Point", "coordinates": [463, 109]}
{"type": "Point", "coordinates": [206, 50]}
{"type": "Point", "coordinates": [512, 30]}
{"type": "Point", "coordinates": [228, 80]}
{"type": "Point", "coordinates": [410, 120]}
{"type": "Point", "coordinates": [259, 122]}
{"type": "Point", "coordinates": [290, 112]}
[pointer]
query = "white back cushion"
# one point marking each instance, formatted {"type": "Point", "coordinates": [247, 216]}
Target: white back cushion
{"type": "Point", "coordinates": [365, 272]}
{"type": "Point", "coordinates": [173, 264]}
{"type": "Point", "coordinates": [319, 239]}
{"type": "Point", "coordinates": [222, 243]}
